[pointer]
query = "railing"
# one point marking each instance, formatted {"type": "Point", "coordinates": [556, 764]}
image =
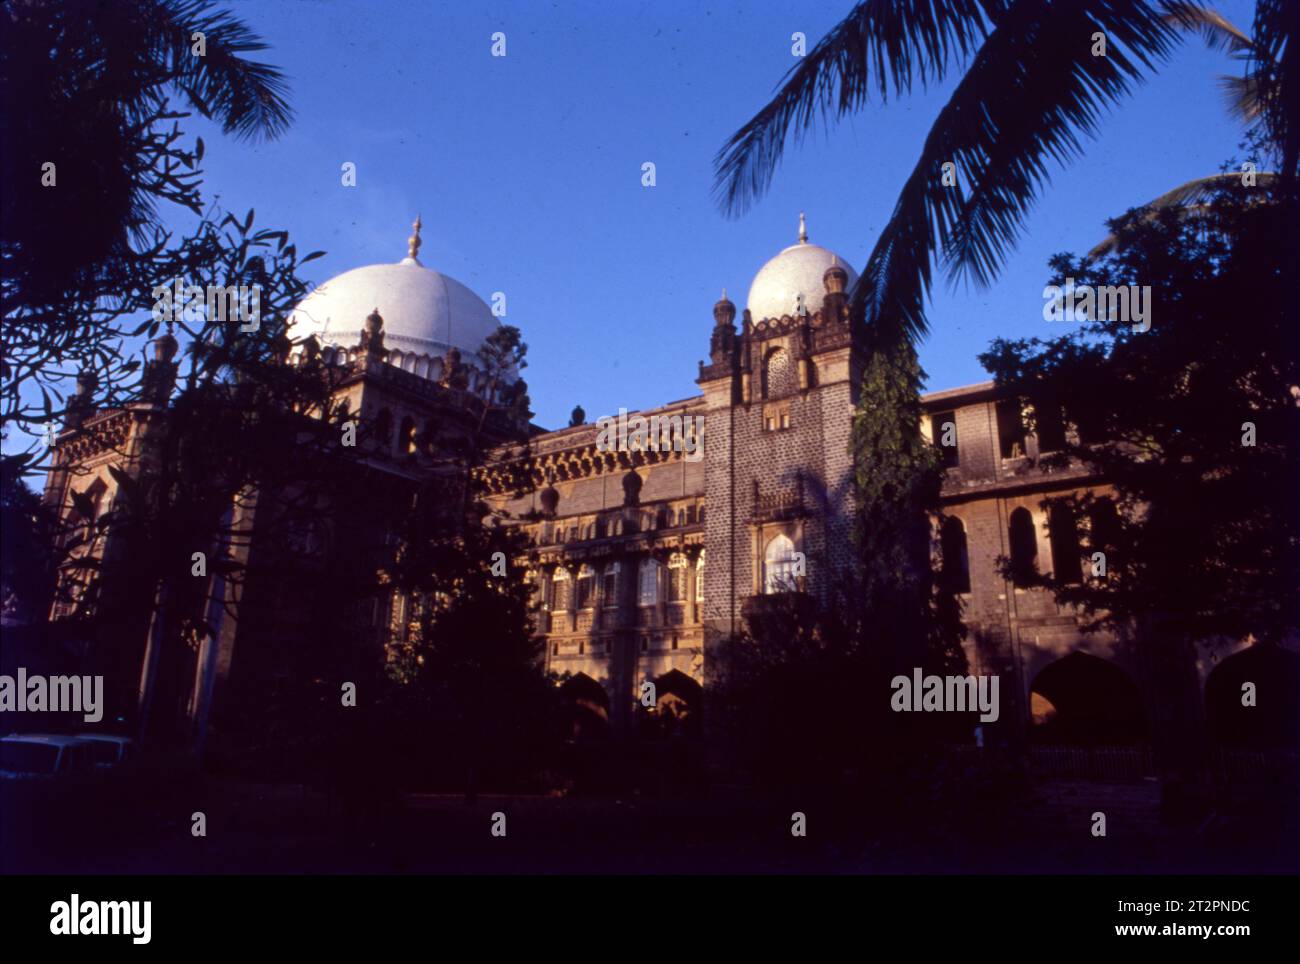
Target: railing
{"type": "Point", "coordinates": [1105, 763]}
{"type": "Point", "coordinates": [777, 505]}
{"type": "Point", "coordinates": [1122, 764]}
{"type": "Point", "coordinates": [1257, 766]}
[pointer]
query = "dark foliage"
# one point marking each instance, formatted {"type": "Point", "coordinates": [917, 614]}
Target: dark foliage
{"type": "Point", "coordinates": [1201, 413]}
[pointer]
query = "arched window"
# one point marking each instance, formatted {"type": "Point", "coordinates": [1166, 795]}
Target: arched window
{"type": "Point", "coordinates": [647, 583]}
{"type": "Point", "coordinates": [1024, 546]}
{"type": "Point", "coordinates": [406, 437]}
{"type": "Point", "coordinates": [384, 426]}
{"type": "Point", "coordinates": [699, 578]}
{"type": "Point", "coordinates": [678, 576]}
{"type": "Point", "coordinates": [610, 589]}
{"type": "Point", "coordinates": [1103, 523]}
{"type": "Point", "coordinates": [956, 563]}
{"type": "Point", "coordinates": [778, 373]}
{"type": "Point", "coordinates": [586, 587]}
{"type": "Point", "coordinates": [780, 566]}
{"type": "Point", "coordinates": [87, 507]}
{"type": "Point", "coordinates": [560, 590]}
{"type": "Point", "coordinates": [1063, 534]}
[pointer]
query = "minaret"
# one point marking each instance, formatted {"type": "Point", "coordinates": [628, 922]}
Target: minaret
{"type": "Point", "coordinates": [82, 404]}
{"type": "Point", "coordinates": [835, 281]}
{"type": "Point", "coordinates": [159, 379]}
{"type": "Point", "coordinates": [372, 339]}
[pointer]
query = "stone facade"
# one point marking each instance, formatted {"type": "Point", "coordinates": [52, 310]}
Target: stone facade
{"type": "Point", "coordinates": [644, 551]}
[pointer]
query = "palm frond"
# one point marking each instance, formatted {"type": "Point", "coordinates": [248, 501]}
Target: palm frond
{"type": "Point", "coordinates": [1241, 97]}
{"type": "Point", "coordinates": [1219, 32]}
{"type": "Point", "coordinates": [882, 45]}
{"type": "Point", "coordinates": [1275, 63]}
{"type": "Point", "coordinates": [247, 97]}
{"type": "Point", "coordinates": [1193, 195]}
{"type": "Point", "coordinates": [1030, 95]}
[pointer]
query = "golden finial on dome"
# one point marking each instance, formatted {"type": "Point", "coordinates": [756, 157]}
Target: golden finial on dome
{"type": "Point", "coordinates": [413, 242]}
{"type": "Point", "coordinates": [803, 229]}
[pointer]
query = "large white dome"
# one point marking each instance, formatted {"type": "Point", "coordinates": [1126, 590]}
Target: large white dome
{"type": "Point", "coordinates": [425, 312]}
{"type": "Point", "coordinates": [796, 271]}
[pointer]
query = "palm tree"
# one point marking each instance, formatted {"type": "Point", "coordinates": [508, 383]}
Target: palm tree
{"type": "Point", "coordinates": [1031, 86]}
{"type": "Point", "coordinates": [1244, 96]}
{"type": "Point", "coordinates": [86, 87]}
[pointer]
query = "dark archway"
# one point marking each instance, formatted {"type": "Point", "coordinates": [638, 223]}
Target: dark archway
{"type": "Point", "coordinates": [1274, 719]}
{"type": "Point", "coordinates": [586, 709]}
{"type": "Point", "coordinates": [678, 700]}
{"type": "Point", "coordinates": [1081, 700]}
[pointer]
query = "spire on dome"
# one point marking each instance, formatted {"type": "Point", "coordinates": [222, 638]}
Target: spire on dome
{"type": "Point", "coordinates": [413, 242]}
{"type": "Point", "coordinates": [803, 229]}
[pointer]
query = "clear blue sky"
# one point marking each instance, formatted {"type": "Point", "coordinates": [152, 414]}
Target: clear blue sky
{"type": "Point", "coordinates": [527, 171]}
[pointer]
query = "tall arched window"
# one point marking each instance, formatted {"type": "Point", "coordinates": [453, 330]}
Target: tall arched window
{"type": "Point", "coordinates": [87, 507]}
{"type": "Point", "coordinates": [778, 374]}
{"type": "Point", "coordinates": [647, 583]}
{"type": "Point", "coordinates": [956, 562]}
{"type": "Point", "coordinates": [384, 426]}
{"type": "Point", "coordinates": [678, 574]}
{"type": "Point", "coordinates": [1024, 546]}
{"type": "Point", "coordinates": [1103, 523]}
{"type": "Point", "coordinates": [780, 567]}
{"type": "Point", "coordinates": [586, 587]}
{"type": "Point", "coordinates": [406, 436]}
{"type": "Point", "coordinates": [699, 578]}
{"type": "Point", "coordinates": [560, 590]}
{"type": "Point", "coordinates": [611, 584]}
{"type": "Point", "coordinates": [1064, 536]}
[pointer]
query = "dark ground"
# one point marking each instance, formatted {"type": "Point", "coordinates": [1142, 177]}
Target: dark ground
{"type": "Point", "coordinates": [259, 828]}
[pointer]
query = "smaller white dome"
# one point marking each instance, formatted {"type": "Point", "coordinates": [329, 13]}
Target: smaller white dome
{"type": "Point", "coordinates": [797, 271]}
